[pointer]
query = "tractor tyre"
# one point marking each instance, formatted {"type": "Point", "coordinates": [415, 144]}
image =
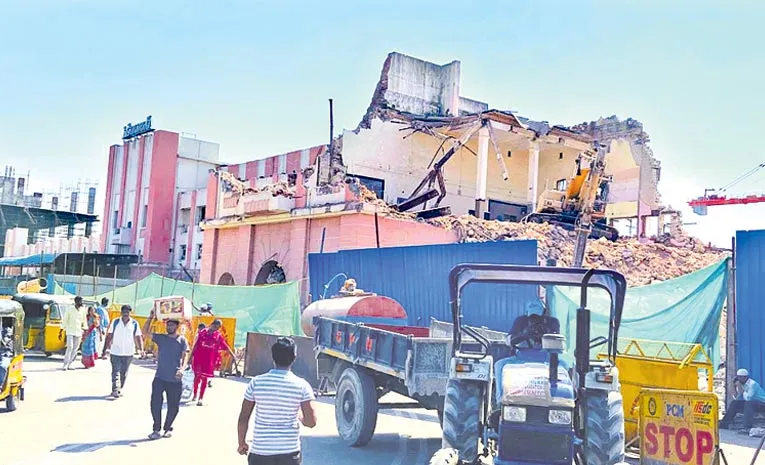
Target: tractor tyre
{"type": "Point", "coordinates": [445, 457]}
{"type": "Point", "coordinates": [461, 424]}
{"type": "Point", "coordinates": [604, 441]}
{"type": "Point", "coordinates": [12, 402]}
{"type": "Point", "coordinates": [356, 407]}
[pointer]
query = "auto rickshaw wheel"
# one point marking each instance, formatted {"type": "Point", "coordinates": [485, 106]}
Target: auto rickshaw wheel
{"type": "Point", "coordinates": [12, 402]}
{"type": "Point", "coordinates": [48, 354]}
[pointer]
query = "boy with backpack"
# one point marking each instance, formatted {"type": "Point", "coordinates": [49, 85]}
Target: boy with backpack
{"type": "Point", "coordinates": [123, 337]}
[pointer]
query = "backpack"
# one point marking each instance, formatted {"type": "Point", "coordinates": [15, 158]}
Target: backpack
{"type": "Point", "coordinates": [135, 326]}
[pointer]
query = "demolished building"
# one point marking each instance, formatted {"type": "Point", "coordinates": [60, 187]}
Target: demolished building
{"type": "Point", "coordinates": [422, 146]}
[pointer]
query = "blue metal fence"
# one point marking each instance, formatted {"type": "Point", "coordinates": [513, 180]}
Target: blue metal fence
{"type": "Point", "coordinates": [417, 277]}
{"type": "Point", "coordinates": [750, 302]}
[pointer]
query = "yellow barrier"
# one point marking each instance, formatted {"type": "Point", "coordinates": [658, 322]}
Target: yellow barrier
{"type": "Point", "coordinates": [189, 330]}
{"type": "Point", "coordinates": [678, 427]}
{"type": "Point", "coordinates": [658, 365]}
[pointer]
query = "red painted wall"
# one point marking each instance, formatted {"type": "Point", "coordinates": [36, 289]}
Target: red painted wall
{"type": "Point", "coordinates": [162, 193]}
{"type": "Point", "coordinates": [138, 203]}
{"type": "Point", "coordinates": [243, 250]}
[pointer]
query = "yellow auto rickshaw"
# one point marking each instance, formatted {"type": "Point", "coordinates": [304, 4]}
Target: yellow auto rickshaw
{"type": "Point", "coordinates": [11, 354]}
{"type": "Point", "coordinates": [43, 328]}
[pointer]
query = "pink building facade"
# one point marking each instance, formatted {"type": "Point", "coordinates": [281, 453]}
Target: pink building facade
{"type": "Point", "coordinates": [156, 196]}
{"type": "Point", "coordinates": [254, 235]}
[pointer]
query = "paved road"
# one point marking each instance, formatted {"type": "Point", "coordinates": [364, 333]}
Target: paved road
{"type": "Point", "coordinates": [68, 419]}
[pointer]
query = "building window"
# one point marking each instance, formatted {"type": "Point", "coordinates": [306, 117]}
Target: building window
{"type": "Point", "coordinates": [201, 213]}
{"type": "Point", "coordinates": [560, 157]}
{"type": "Point", "coordinates": [373, 184]}
{"type": "Point", "coordinates": [509, 154]}
{"type": "Point", "coordinates": [282, 164]}
{"type": "Point", "coordinates": [115, 220]}
{"type": "Point", "coordinates": [561, 184]}
{"type": "Point", "coordinates": [199, 251]}
{"type": "Point", "coordinates": [305, 159]}
{"type": "Point", "coordinates": [182, 257]}
{"type": "Point", "coordinates": [270, 273]}
{"type": "Point", "coordinates": [144, 215]}
{"type": "Point", "coordinates": [261, 168]}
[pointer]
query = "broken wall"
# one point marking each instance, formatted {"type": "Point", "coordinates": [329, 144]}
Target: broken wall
{"type": "Point", "coordinates": [382, 152]}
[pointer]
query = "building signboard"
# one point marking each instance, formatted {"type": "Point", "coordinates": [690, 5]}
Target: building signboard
{"type": "Point", "coordinates": [133, 130]}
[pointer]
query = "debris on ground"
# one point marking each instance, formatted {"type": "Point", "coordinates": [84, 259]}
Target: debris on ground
{"type": "Point", "coordinates": [641, 262]}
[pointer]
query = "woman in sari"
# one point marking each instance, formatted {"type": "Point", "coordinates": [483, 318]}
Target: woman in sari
{"type": "Point", "coordinates": [204, 357]}
{"type": "Point", "coordinates": [90, 339]}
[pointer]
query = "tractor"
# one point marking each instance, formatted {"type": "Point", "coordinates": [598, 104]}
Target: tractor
{"type": "Point", "coordinates": [517, 402]}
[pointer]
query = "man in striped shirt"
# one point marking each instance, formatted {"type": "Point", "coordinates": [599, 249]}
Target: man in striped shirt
{"type": "Point", "coordinates": [281, 400]}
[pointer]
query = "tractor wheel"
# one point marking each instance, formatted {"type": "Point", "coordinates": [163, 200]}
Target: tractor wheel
{"type": "Point", "coordinates": [12, 402]}
{"type": "Point", "coordinates": [604, 441]}
{"type": "Point", "coordinates": [445, 457]}
{"type": "Point", "coordinates": [356, 407]}
{"type": "Point", "coordinates": [462, 408]}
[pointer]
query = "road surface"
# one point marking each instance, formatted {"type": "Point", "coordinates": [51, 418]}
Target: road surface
{"type": "Point", "coordinates": [68, 419]}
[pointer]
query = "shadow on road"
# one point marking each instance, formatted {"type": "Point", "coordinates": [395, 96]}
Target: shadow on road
{"type": "Point", "coordinates": [384, 449]}
{"type": "Point", "coordinates": [82, 398]}
{"type": "Point", "coordinates": [76, 448]}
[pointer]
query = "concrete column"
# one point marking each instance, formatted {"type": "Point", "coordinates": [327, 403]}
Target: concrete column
{"type": "Point", "coordinates": [533, 194]}
{"type": "Point", "coordinates": [482, 171]}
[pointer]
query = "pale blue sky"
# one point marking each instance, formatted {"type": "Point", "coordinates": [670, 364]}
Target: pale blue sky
{"type": "Point", "coordinates": [255, 76]}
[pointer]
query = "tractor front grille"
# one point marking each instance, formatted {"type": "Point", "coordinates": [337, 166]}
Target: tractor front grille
{"type": "Point", "coordinates": [535, 446]}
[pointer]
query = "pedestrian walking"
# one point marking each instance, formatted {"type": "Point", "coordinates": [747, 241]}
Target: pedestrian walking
{"type": "Point", "coordinates": [103, 314]}
{"type": "Point", "coordinates": [204, 355]}
{"type": "Point", "coordinates": [90, 339]}
{"type": "Point", "coordinates": [281, 400]}
{"type": "Point", "coordinates": [172, 352]}
{"type": "Point", "coordinates": [123, 339]}
{"type": "Point", "coordinates": [75, 325]}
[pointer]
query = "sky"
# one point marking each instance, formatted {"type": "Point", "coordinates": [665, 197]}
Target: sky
{"type": "Point", "coordinates": [255, 77]}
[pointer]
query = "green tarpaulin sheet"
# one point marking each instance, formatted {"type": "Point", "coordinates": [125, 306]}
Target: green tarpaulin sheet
{"type": "Point", "coordinates": [273, 309]}
{"type": "Point", "coordinates": [684, 309]}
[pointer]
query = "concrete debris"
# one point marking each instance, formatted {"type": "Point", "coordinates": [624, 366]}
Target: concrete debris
{"type": "Point", "coordinates": [231, 183]}
{"type": "Point", "coordinates": [642, 263]}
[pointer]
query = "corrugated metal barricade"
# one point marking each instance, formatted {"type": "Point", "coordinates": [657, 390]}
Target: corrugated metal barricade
{"type": "Point", "coordinates": [417, 277]}
{"type": "Point", "coordinates": [750, 302]}
{"type": "Point", "coordinates": [658, 365]}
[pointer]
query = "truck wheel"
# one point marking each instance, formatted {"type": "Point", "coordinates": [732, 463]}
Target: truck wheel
{"type": "Point", "coordinates": [445, 457]}
{"type": "Point", "coordinates": [356, 407]}
{"type": "Point", "coordinates": [462, 407]}
{"type": "Point", "coordinates": [12, 402]}
{"type": "Point", "coordinates": [604, 444]}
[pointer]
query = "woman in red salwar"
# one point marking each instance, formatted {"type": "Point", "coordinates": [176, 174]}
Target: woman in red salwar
{"type": "Point", "coordinates": [205, 354]}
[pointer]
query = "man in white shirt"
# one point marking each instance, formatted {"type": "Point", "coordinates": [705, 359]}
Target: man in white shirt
{"type": "Point", "coordinates": [75, 324]}
{"type": "Point", "coordinates": [281, 401]}
{"type": "Point", "coordinates": [123, 337]}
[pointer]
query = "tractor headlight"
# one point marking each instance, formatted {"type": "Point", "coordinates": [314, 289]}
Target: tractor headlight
{"type": "Point", "coordinates": [514, 414]}
{"type": "Point", "coordinates": [559, 417]}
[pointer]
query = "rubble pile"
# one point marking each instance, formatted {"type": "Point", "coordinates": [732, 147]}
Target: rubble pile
{"type": "Point", "coordinates": [642, 263]}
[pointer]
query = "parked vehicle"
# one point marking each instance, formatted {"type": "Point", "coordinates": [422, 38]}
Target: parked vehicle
{"type": "Point", "coordinates": [11, 354]}
{"type": "Point", "coordinates": [365, 362]}
{"type": "Point", "coordinates": [43, 330]}
{"type": "Point", "coordinates": [517, 403]}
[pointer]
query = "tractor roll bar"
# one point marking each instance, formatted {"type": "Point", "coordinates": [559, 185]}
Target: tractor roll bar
{"type": "Point", "coordinates": [609, 280]}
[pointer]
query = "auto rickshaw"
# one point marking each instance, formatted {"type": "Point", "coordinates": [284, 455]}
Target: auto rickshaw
{"type": "Point", "coordinates": [11, 354]}
{"type": "Point", "coordinates": [43, 329]}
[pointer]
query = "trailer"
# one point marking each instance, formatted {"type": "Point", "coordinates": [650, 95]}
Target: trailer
{"type": "Point", "coordinates": [364, 362]}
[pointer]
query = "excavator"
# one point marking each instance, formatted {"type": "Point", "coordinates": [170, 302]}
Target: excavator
{"type": "Point", "coordinates": [582, 206]}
